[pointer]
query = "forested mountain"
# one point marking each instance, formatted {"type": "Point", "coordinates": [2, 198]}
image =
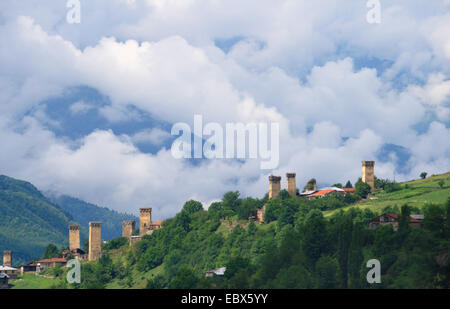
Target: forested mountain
{"type": "Point", "coordinates": [29, 221]}
{"type": "Point", "coordinates": [83, 212]}
{"type": "Point", "coordinates": [324, 243]}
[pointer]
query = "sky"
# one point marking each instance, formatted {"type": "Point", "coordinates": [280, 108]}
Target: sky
{"type": "Point", "coordinates": [86, 109]}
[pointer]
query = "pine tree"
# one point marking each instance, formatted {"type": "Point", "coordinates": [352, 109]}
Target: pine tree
{"type": "Point", "coordinates": [345, 226]}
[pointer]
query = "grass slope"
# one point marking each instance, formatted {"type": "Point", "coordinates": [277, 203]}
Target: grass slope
{"type": "Point", "coordinates": [32, 282]}
{"type": "Point", "coordinates": [414, 193]}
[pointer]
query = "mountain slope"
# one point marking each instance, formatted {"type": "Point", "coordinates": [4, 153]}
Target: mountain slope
{"type": "Point", "coordinates": [83, 212]}
{"type": "Point", "coordinates": [415, 193]}
{"type": "Point", "coordinates": [28, 220]}
{"type": "Point", "coordinates": [297, 247]}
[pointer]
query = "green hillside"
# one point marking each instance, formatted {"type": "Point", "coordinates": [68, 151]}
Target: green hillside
{"type": "Point", "coordinates": [83, 212]}
{"type": "Point", "coordinates": [29, 221]}
{"type": "Point", "coordinates": [297, 247]}
{"type": "Point", "coordinates": [415, 193]}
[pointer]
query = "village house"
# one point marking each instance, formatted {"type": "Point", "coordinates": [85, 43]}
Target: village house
{"type": "Point", "coordinates": [4, 281]}
{"type": "Point", "coordinates": [326, 191]}
{"type": "Point", "coordinates": [216, 272]}
{"type": "Point", "coordinates": [28, 268]}
{"type": "Point", "coordinates": [10, 271]}
{"type": "Point", "coordinates": [77, 253]}
{"type": "Point", "coordinates": [415, 221]}
{"type": "Point", "coordinates": [49, 263]}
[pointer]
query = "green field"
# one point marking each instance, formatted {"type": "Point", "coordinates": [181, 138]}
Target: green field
{"type": "Point", "coordinates": [32, 282]}
{"type": "Point", "coordinates": [414, 193]}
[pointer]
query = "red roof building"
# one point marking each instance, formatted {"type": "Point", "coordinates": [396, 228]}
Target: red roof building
{"type": "Point", "coordinates": [50, 263]}
{"type": "Point", "coordinates": [415, 221]}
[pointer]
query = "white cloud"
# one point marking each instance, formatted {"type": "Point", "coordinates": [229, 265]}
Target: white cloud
{"type": "Point", "coordinates": [80, 107]}
{"type": "Point", "coordinates": [292, 67]}
{"type": "Point", "coordinates": [154, 136]}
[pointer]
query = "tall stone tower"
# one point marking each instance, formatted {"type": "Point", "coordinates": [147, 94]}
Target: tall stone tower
{"type": "Point", "coordinates": [274, 186]}
{"type": "Point", "coordinates": [291, 185]}
{"type": "Point", "coordinates": [95, 240]}
{"type": "Point", "coordinates": [74, 237]}
{"type": "Point", "coordinates": [145, 220]}
{"type": "Point", "coordinates": [128, 228]}
{"type": "Point", "coordinates": [368, 174]}
{"type": "Point", "coordinates": [7, 258]}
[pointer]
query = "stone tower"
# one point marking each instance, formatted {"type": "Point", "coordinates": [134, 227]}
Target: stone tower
{"type": "Point", "coordinates": [145, 220]}
{"type": "Point", "coordinates": [368, 175]}
{"type": "Point", "coordinates": [128, 228]}
{"type": "Point", "coordinates": [274, 186]}
{"type": "Point", "coordinates": [95, 240]}
{"type": "Point", "coordinates": [74, 237]}
{"type": "Point", "coordinates": [7, 258]}
{"type": "Point", "coordinates": [291, 185]}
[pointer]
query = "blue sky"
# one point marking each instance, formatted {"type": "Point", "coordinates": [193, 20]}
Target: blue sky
{"type": "Point", "coordinates": [86, 109]}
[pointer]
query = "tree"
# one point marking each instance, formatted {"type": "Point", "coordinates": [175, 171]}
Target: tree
{"type": "Point", "coordinates": [51, 252]}
{"type": "Point", "coordinates": [441, 183]}
{"type": "Point", "coordinates": [310, 185]}
{"type": "Point", "coordinates": [403, 223]}
{"type": "Point", "coordinates": [116, 243]}
{"type": "Point", "coordinates": [273, 210]}
{"type": "Point", "coordinates": [155, 283]}
{"type": "Point", "coordinates": [252, 229]}
{"type": "Point", "coordinates": [236, 264]}
{"type": "Point", "coordinates": [348, 184]}
{"type": "Point", "coordinates": [284, 194]}
{"type": "Point", "coordinates": [435, 217]}
{"type": "Point", "coordinates": [215, 207]}
{"type": "Point", "coordinates": [344, 233]}
{"type": "Point", "coordinates": [287, 213]}
{"type": "Point", "coordinates": [390, 186]}
{"type": "Point", "coordinates": [447, 219]}
{"type": "Point", "coordinates": [315, 237]}
{"type": "Point", "coordinates": [185, 279]}
{"type": "Point", "coordinates": [326, 270]}
{"type": "Point", "coordinates": [362, 189]}
{"type": "Point", "coordinates": [356, 257]}
{"type": "Point", "coordinates": [86, 246]}
{"type": "Point", "coordinates": [384, 240]}
{"type": "Point", "coordinates": [192, 206]}
{"type": "Point", "coordinates": [337, 185]}
{"type": "Point", "coordinates": [182, 219]}
{"type": "Point", "coordinates": [423, 175]}
{"type": "Point", "coordinates": [247, 208]}
{"type": "Point", "coordinates": [231, 201]}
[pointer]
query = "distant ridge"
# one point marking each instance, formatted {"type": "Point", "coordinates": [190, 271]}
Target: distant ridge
{"type": "Point", "coordinates": [83, 212]}
{"type": "Point", "coordinates": [30, 220]}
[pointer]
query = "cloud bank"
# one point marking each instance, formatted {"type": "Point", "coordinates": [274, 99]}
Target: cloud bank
{"type": "Point", "coordinates": [341, 88]}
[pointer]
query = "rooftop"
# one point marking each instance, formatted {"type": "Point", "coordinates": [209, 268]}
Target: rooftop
{"type": "Point", "coordinates": [3, 275]}
{"type": "Point", "coordinates": [415, 218]}
{"type": "Point", "coordinates": [53, 260]}
{"type": "Point", "coordinates": [7, 268]}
